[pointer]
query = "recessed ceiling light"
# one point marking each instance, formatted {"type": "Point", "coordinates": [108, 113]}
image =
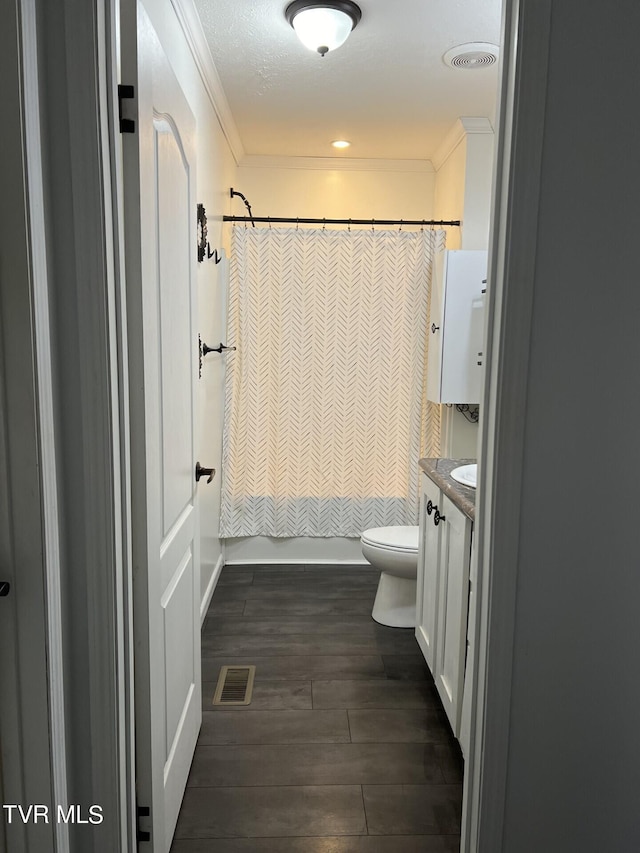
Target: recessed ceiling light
{"type": "Point", "coordinates": [341, 143]}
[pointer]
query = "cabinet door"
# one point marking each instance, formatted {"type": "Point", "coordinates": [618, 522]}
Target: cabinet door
{"type": "Point", "coordinates": [436, 327]}
{"type": "Point", "coordinates": [453, 361]}
{"type": "Point", "coordinates": [470, 663]}
{"type": "Point", "coordinates": [428, 567]}
{"type": "Point", "coordinates": [453, 602]}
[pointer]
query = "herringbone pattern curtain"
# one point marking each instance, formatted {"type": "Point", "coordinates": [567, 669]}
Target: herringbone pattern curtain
{"type": "Point", "coordinates": [326, 415]}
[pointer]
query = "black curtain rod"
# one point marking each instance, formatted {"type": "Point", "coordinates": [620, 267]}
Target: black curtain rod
{"type": "Point", "coordinates": [302, 221]}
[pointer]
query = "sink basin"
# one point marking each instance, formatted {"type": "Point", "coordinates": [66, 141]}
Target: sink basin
{"type": "Point", "coordinates": [466, 475]}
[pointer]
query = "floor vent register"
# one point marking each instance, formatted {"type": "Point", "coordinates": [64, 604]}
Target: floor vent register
{"type": "Point", "coordinates": [235, 685]}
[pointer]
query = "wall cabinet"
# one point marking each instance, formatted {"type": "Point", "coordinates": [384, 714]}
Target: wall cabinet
{"type": "Point", "coordinates": [443, 595]}
{"type": "Point", "coordinates": [456, 327]}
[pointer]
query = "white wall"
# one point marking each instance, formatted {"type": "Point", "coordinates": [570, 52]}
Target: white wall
{"type": "Point", "coordinates": [477, 191]}
{"type": "Point", "coordinates": [573, 736]}
{"type": "Point", "coordinates": [299, 186]}
{"type": "Point", "coordinates": [216, 170]}
{"type": "Point", "coordinates": [463, 191]}
{"type": "Point", "coordinates": [450, 189]}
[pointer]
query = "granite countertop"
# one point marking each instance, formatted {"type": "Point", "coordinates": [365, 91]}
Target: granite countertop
{"type": "Point", "coordinates": [439, 470]}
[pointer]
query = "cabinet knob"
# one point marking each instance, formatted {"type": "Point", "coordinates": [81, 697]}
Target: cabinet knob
{"type": "Point", "coordinates": [430, 507]}
{"type": "Point", "coordinates": [437, 518]}
{"type": "Point", "coordinates": [434, 328]}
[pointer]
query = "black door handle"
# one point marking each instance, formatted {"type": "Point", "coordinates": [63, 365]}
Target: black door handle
{"type": "Point", "coordinates": [209, 473]}
{"type": "Point", "coordinates": [430, 507]}
{"type": "Point", "coordinates": [221, 348]}
{"type": "Point", "coordinates": [434, 328]}
{"type": "Point", "coordinates": [437, 518]}
{"type": "Point", "coordinates": [5, 586]}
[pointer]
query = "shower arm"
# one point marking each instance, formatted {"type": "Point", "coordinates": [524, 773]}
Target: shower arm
{"type": "Point", "coordinates": [233, 193]}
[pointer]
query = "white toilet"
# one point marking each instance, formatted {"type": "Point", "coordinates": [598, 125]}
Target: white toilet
{"type": "Point", "coordinates": [394, 550]}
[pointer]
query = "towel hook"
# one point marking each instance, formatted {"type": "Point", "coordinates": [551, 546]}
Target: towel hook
{"type": "Point", "coordinates": [214, 254]}
{"type": "Point", "coordinates": [220, 348]}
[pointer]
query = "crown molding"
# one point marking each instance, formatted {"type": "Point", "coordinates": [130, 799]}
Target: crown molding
{"type": "Point", "coordinates": [192, 28]}
{"type": "Point", "coordinates": [476, 124]}
{"type": "Point", "coordinates": [341, 164]}
{"type": "Point", "coordinates": [462, 127]}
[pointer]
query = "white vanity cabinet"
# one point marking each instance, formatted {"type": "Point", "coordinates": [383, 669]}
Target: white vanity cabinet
{"type": "Point", "coordinates": [456, 326]}
{"type": "Point", "coordinates": [443, 595]}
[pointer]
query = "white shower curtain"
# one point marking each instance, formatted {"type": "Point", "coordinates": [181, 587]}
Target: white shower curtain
{"type": "Point", "coordinates": [325, 413]}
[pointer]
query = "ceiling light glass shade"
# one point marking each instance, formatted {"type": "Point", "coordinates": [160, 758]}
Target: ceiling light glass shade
{"type": "Point", "coordinates": [323, 27]}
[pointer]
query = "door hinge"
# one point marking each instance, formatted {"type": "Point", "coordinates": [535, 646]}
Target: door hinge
{"type": "Point", "coordinates": [127, 125]}
{"type": "Point", "coordinates": [143, 834]}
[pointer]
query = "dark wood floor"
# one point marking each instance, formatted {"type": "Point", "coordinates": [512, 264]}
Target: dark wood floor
{"type": "Point", "coordinates": [345, 747]}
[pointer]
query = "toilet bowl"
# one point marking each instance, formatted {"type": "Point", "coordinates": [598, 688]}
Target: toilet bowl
{"type": "Point", "coordinates": [393, 550]}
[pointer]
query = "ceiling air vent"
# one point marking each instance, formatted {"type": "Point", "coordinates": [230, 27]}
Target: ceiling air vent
{"type": "Point", "coordinates": [476, 54]}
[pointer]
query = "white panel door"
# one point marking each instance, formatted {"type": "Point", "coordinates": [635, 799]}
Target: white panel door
{"type": "Point", "coordinates": [453, 602]}
{"type": "Point", "coordinates": [161, 258]}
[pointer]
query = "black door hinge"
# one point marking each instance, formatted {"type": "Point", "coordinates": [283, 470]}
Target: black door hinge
{"type": "Point", "coordinates": [143, 834]}
{"type": "Point", "coordinates": [127, 125]}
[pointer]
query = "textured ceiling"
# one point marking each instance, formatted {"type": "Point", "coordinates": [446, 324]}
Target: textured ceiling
{"type": "Point", "coordinates": [386, 89]}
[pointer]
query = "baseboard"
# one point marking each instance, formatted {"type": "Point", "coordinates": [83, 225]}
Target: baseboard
{"type": "Point", "coordinates": [270, 550]}
{"type": "Point", "coordinates": [211, 586]}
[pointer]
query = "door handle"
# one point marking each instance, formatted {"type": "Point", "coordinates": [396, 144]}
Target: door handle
{"type": "Point", "coordinates": [437, 518]}
{"type": "Point", "coordinates": [209, 473]}
{"type": "Point", "coordinates": [430, 507]}
{"type": "Point", "coordinates": [221, 348]}
{"type": "Point", "coordinates": [5, 586]}
{"type": "Point", "coordinates": [434, 328]}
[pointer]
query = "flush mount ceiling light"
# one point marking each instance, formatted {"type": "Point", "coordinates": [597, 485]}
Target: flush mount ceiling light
{"type": "Point", "coordinates": [323, 26]}
{"type": "Point", "coordinates": [341, 143]}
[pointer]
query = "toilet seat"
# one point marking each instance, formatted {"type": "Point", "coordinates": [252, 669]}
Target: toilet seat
{"type": "Point", "coordinates": [399, 538]}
